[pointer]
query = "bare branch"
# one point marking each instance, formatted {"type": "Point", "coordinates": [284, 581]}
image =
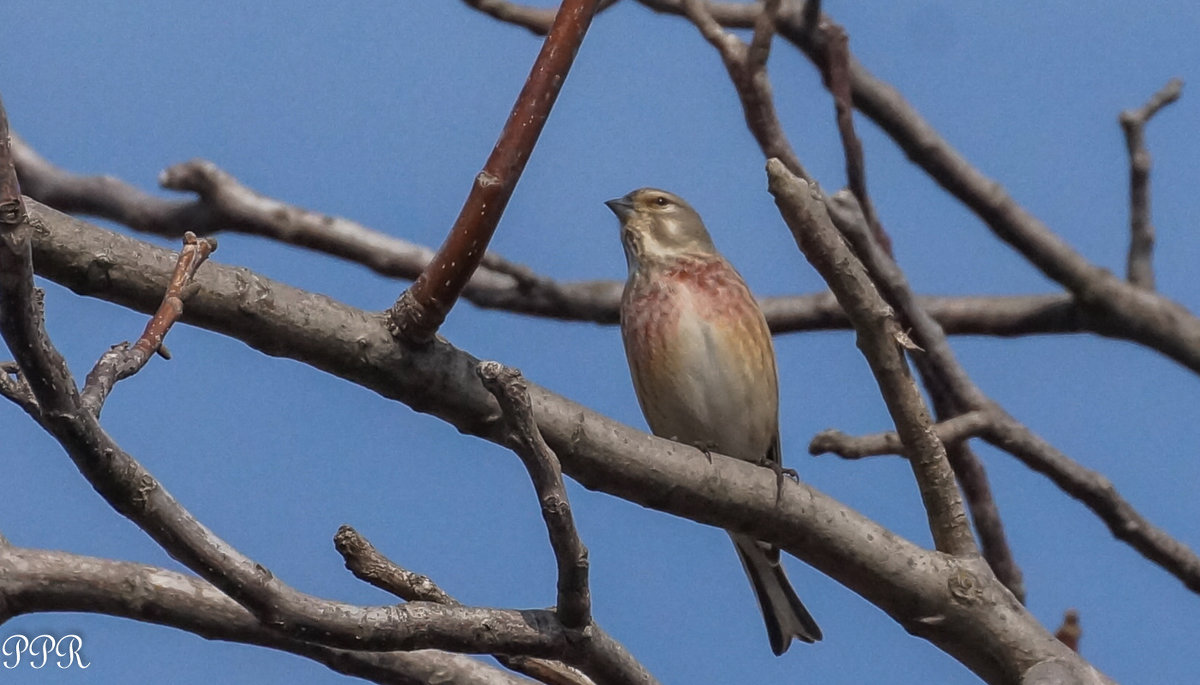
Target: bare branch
{"type": "Point", "coordinates": [33, 581]}
{"type": "Point", "coordinates": [1159, 322]}
{"type": "Point", "coordinates": [538, 20]}
{"type": "Point", "coordinates": [1099, 494]}
{"type": "Point", "coordinates": [951, 389]}
{"type": "Point", "coordinates": [422, 308]}
{"type": "Point", "coordinates": [371, 566]}
{"type": "Point", "coordinates": [835, 69]}
{"type": "Point", "coordinates": [764, 30]}
{"type": "Point", "coordinates": [600, 454]}
{"type": "Point", "coordinates": [14, 387]}
{"type": "Point", "coordinates": [803, 208]}
{"type": "Point", "coordinates": [836, 442]}
{"type": "Point", "coordinates": [224, 204]}
{"type": "Point", "coordinates": [749, 78]}
{"type": "Point", "coordinates": [123, 361]}
{"type": "Point", "coordinates": [1140, 268]}
{"type": "Point", "coordinates": [574, 598]}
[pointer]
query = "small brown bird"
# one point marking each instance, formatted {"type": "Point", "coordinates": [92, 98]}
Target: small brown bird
{"type": "Point", "coordinates": [704, 368]}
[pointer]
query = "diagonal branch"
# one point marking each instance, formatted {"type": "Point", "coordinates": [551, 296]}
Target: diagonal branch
{"type": "Point", "coordinates": [879, 339]}
{"type": "Point", "coordinates": [1151, 319]}
{"type": "Point", "coordinates": [747, 70]}
{"type": "Point", "coordinates": [835, 69]}
{"type": "Point", "coordinates": [510, 390]}
{"type": "Point", "coordinates": [123, 360]}
{"type": "Point", "coordinates": [421, 309]}
{"type": "Point", "coordinates": [750, 79]}
{"type": "Point", "coordinates": [1140, 268]}
{"type": "Point", "coordinates": [950, 387]}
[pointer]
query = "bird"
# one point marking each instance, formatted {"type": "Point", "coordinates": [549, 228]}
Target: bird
{"type": "Point", "coordinates": [703, 368]}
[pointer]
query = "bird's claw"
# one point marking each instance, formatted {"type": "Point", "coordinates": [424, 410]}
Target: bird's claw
{"type": "Point", "coordinates": [706, 449]}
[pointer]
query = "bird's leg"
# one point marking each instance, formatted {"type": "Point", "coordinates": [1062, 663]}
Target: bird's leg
{"type": "Point", "coordinates": [706, 448]}
{"type": "Point", "coordinates": [780, 472]}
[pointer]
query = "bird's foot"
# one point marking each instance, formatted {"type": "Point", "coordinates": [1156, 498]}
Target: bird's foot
{"type": "Point", "coordinates": [706, 448]}
{"type": "Point", "coordinates": [780, 473]}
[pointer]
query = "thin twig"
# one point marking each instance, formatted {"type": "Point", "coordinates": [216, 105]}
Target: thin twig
{"type": "Point", "coordinates": [370, 565]}
{"type": "Point", "coordinates": [537, 20]}
{"type": "Point", "coordinates": [836, 72]}
{"type": "Point", "coordinates": [14, 387]}
{"type": "Point", "coordinates": [124, 360]}
{"type": "Point", "coordinates": [508, 387]}
{"type": "Point", "coordinates": [836, 442]}
{"type": "Point", "coordinates": [1140, 267]}
{"type": "Point", "coordinates": [421, 309]}
{"type": "Point", "coordinates": [749, 77]}
{"type": "Point", "coordinates": [1099, 495]}
{"type": "Point", "coordinates": [879, 339]}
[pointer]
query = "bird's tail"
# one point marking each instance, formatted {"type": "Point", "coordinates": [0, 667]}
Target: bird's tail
{"type": "Point", "coordinates": [784, 614]}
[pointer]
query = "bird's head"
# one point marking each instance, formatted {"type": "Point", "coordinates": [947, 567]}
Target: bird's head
{"type": "Point", "coordinates": [659, 226]}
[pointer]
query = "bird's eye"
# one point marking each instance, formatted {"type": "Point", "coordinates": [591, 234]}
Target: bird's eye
{"type": "Point", "coordinates": [661, 201]}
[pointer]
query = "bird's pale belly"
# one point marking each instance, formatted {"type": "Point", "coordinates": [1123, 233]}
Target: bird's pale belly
{"type": "Point", "coordinates": [704, 386]}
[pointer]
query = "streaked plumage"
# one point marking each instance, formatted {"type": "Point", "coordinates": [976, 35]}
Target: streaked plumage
{"type": "Point", "coordinates": [703, 367]}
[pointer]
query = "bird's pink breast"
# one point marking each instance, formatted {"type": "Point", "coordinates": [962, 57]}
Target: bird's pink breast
{"type": "Point", "coordinates": [701, 356]}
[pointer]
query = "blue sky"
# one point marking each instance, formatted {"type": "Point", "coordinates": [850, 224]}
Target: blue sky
{"type": "Point", "coordinates": [383, 112]}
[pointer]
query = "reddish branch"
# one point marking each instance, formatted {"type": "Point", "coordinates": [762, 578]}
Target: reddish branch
{"type": "Point", "coordinates": [422, 308]}
{"type": "Point", "coordinates": [123, 360]}
{"type": "Point", "coordinates": [1140, 269]}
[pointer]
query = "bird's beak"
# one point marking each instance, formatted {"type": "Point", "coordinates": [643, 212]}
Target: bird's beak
{"type": "Point", "coordinates": [621, 206]}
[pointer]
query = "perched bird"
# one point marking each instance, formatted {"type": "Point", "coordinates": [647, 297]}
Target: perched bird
{"type": "Point", "coordinates": [704, 368]}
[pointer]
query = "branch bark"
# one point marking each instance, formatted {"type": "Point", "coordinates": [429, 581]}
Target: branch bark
{"type": "Point", "coordinates": [978, 623]}
{"type": "Point", "coordinates": [33, 581]}
{"type": "Point", "coordinates": [881, 342]}
{"type": "Point", "coordinates": [421, 309]}
{"type": "Point", "coordinates": [1140, 266]}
